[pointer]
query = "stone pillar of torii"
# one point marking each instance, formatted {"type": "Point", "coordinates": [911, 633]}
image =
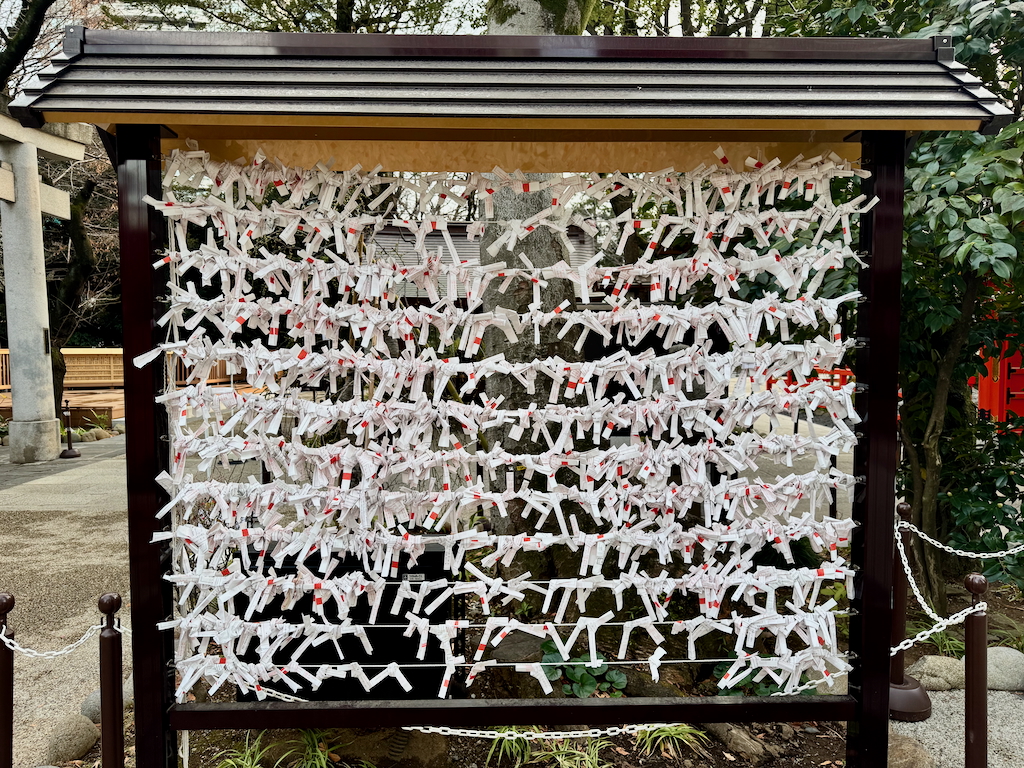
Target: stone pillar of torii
{"type": "Point", "coordinates": [34, 428]}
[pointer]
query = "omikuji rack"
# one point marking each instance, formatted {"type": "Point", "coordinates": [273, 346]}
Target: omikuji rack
{"type": "Point", "coordinates": [539, 104]}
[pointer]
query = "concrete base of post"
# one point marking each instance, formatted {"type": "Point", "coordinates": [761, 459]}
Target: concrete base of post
{"type": "Point", "coordinates": [909, 702]}
{"type": "Point", "coordinates": [34, 441]}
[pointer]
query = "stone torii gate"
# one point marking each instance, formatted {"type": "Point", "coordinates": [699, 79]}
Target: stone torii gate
{"type": "Point", "coordinates": [34, 430]}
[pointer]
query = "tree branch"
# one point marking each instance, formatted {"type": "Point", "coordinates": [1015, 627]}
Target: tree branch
{"type": "Point", "coordinates": [26, 30]}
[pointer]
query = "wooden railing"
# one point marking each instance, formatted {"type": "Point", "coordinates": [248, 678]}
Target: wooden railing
{"type": "Point", "coordinates": [100, 369]}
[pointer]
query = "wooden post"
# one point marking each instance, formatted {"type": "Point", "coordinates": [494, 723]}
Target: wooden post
{"type": "Point", "coordinates": [142, 232]}
{"type": "Point", "coordinates": [877, 365]}
{"type": "Point", "coordinates": [976, 678]}
{"type": "Point", "coordinates": [111, 695]}
{"type": "Point", "coordinates": [6, 685]}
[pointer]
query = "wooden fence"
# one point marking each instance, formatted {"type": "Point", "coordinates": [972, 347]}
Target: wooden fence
{"type": "Point", "coordinates": [100, 369]}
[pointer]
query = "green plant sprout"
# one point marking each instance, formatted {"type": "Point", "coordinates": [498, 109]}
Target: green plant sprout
{"type": "Point", "coordinates": [585, 679]}
{"type": "Point", "coordinates": [314, 749]}
{"type": "Point", "coordinates": [670, 739]}
{"type": "Point", "coordinates": [100, 420]}
{"type": "Point", "coordinates": [250, 754]}
{"type": "Point", "coordinates": [947, 643]}
{"type": "Point", "coordinates": [566, 754]}
{"type": "Point", "coordinates": [517, 751]}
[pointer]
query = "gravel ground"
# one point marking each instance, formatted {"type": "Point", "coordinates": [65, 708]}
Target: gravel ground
{"type": "Point", "coordinates": [943, 733]}
{"type": "Point", "coordinates": [63, 542]}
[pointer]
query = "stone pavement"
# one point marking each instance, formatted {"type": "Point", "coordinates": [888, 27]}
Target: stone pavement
{"type": "Point", "coordinates": [63, 543]}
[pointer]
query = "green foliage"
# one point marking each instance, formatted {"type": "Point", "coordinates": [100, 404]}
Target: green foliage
{"type": "Point", "coordinates": [671, 739]}
{"type": "Point", "coordinates": [984, 474]}
{"type": "Point", "coordinates": [100, 420]}
{"type": "Point", "coordinates": [424, 16]}
{"type": "Point", "coordinates": [567, 754]}
{"type": "Point", "coordinates": [585, 678]}
{"type": "Point", "coordinates": [964, 209]}
{"type": "Point", "coordinates": [1011, 636]}
{"type": "Point", "coordinates": [250, 755]}
{"type": "Point", "coordinates": [516, 750]}
{"type": "Point", "coordinates": [945, 641]}
{"type": "Point", "coordinates": [314, 749]}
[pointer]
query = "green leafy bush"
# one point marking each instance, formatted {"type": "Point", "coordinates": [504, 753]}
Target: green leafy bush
{"type": "Point", "coordinates": [585, 678]}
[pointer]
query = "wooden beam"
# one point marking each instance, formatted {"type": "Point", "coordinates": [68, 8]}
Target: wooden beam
{"type": "Point", "coordinates": [529, 157]}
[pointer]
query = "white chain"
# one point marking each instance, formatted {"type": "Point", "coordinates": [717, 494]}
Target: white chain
{"type": "Point", "coordinates": [961, 552]}
{"type": "Point", "coordinates": [14, 645]}
{"type": "Point", "coordinates": [590, 733]}
{"type": "Point", "coordinates": [942, 625]}
{"type": "Point", "coordinates": [910, 579]}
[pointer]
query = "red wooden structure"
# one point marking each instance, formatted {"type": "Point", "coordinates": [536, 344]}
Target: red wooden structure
{"type": "Point", "coordinates": [1001, 391]}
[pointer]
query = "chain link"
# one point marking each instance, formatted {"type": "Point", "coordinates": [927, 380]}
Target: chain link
{"type": "Point", "coordinates": [14, 645]}
{"type": "Point", "coordinates": [943, 624]}
{"type": "Point", "coordinates": [910, 579]}
{"type": "Point", "coordinates": [590, 733]}
{"type": "Point", "coordinates": [961, 552]}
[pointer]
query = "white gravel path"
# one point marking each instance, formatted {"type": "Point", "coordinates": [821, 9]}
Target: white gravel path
{"type": "Point", "coordinates": [943, 733]}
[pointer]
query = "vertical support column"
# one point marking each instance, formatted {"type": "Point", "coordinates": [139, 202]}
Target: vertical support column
{"type": "Point", "coordinates": [875, 458]}
{"type": "Point", "coordinates": [34, 430]}
{"type": "Point", "coordinates": [111, 692]}
{"type": "Point", "coordinates": [976, 677]}
{"type": "Point", "coordinates": [6, 684]}
{"type": "Point", "coordinates": [142, 234]}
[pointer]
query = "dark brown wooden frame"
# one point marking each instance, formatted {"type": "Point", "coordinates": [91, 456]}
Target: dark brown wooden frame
{"type": "Point", "coordinates": [865, 708]}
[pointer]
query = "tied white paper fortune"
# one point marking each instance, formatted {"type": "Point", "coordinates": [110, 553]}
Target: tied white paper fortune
{"type": "Point", "coordinates": [639, 467]}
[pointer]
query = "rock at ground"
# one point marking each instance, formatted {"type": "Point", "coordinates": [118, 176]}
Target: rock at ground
{"type": "Point", "coordinates": [389, 746]}
{"type": "Point", "coordinates": [99, 433]}
{"type": "Point", "coordinates": [87, 437]}
{"type": "Point", "coordinates": [519, 647]}
{"type": "Point", "coordinates": [905, 752]}
{"type": "Point", "coordinates": [75, 437]}
{"type": "Point", "coordinates": [91, 706]}
{"type": "Point", "coordinates": [938, 673]}
{"type": "Point", "coordinates": [736, 739]}
{"type": "Point", "coordinates": [786, 731]}
{"type": "Point", "coordinates": [71, 738]}
{"type": "Point", "coordinates": [128, 690]}
{"type": "Point", "coordinates": [4, 440]}
{"type": "Point", "coordinates": [1005, 669]}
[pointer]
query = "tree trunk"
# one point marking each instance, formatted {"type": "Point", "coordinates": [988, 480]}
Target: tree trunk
{"type": "Point", "coordinates": [344, 16]}
{"type": "Point", "coordinates": [530, 17]}
{"type": "Point", "coordinates": [934, 586]}
{"type": "Point", "coordinates": [65, 303]}
{"type": "Point", "coordinates": [23, 37]}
